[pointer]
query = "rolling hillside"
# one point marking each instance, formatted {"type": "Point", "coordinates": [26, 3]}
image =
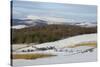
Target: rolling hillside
{"type": "Point", "coordinates": [48, 33]}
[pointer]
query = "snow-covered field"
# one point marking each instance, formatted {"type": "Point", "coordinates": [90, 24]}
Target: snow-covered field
{"type": "Point", "coordinates": [85, 57]}
{"type": "Point", "coordinates": [60, 48]}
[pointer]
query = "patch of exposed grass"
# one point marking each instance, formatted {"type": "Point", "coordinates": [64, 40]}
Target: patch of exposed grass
{"type": "Point", "coordinates": [30, 56]}
{"type": "Point", "coordinates": [92, 44]}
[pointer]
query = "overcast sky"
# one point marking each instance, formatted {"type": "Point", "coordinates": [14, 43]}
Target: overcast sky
{"type": "Point", "coordinates": [54, 11]}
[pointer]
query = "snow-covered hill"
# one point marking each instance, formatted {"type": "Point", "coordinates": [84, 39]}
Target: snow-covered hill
{"type": "Point", "coordinates": [19, 26]}
{"type": "Point", "coordinates": [86, 24]}
{"type": "Point", "coordinates": [18, 23]}
{"type": "Point", "coordinates": [64, 54]}
{"type": "Point", "coordinates": [71, 41]}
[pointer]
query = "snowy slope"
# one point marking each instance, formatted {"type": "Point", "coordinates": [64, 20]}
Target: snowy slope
{"type": "Point", "coordinates": [86, 24]}
{"type": "Point", "coordinates": [71, 41]}
{"type": "Point", "coordinates": [63, 55]}
{"type": "Point", "coordinates": [19, 26]}
{"type": "Point", "coordinates": [61, 44]}
{"type": "Point", "coordinates": [19, 23]}
{"type": "Point", "coordinates": [81, 57]}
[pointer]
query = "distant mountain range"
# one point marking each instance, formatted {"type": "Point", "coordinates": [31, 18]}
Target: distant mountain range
{"type": "Point", "coordinates": [19, 23]}
{"type": "Point", "coordinates": [28, 22]}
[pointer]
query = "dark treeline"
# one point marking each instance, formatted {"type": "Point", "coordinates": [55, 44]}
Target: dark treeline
{"type": "Point", "coordinates": [48, 33]}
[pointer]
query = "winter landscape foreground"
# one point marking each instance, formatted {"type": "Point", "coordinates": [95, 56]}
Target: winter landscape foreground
{"type": "Point", "coordinates": [80, 48]}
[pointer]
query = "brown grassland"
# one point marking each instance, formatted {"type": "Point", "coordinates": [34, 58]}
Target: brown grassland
{"type": "Point", "coordinates": [30, 56]}
{"type": "Point", "coordinates": [92, 44]}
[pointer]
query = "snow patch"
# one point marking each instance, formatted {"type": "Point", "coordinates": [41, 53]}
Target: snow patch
{"type": "Point", "coordinates": [19, 26]}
